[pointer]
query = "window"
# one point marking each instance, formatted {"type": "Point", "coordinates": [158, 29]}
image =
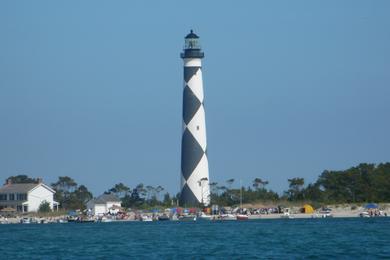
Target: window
{"type": "Point", "coordinates": [3, 197]}
{"type": "Point", "coordinates": [21, 196]}
{"type": "Point", "coordinates": [11, 196]}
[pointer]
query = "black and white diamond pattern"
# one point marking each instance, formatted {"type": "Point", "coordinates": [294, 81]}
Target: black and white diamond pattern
{"type": "Point", "coordinates": [194, 163]}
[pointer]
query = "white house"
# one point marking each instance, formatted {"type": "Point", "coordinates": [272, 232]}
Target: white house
{"type": "Point", "coordinates": [26, 197]}
{"type": "Point", "coordinates": [102, 204]}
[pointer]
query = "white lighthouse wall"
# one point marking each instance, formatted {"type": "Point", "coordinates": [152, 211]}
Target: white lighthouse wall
{"type": "Point", "coordinates": [197, 127]}
{"type": "Point", "coordinates": [192, 62]}
{"type": "Point", "coordinates": [196, 85]}
{"type": "Point", "coordinates": [200, 189]}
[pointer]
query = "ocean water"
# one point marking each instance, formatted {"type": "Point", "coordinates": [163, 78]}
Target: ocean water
{"type": "Point", "coordinates": [362, 238]}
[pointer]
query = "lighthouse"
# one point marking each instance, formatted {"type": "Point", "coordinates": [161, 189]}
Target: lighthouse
{"type": "Point", "coordinates": [194, 164]}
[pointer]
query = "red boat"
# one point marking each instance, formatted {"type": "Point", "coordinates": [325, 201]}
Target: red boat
{"type": "Point", "coordinates": [242, 217]}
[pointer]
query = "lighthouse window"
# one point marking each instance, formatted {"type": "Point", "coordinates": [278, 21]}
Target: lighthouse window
{"type": "Point", "coordinates": [192, 44]}
{"type": "Point", "coordinates": [197, 127]}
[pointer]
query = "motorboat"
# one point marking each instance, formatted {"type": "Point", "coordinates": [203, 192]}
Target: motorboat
{"type": "Point", "coordinates": [287, 214]}
{"type": "Point", "coordinates": [25, 221]}
{"type": "Point", "coordinates": [163, 217]}
{"type": "Point", "coordinates": [203, 216]}
{"type": "Point", "coordinates": [187, 218]}
{"type": "Point", "coordinates": [242, 217]}
{"type": "Point", "coordinates": [105, 219]}
{"type": "Point", "coordinates": [71, 218]}
{"type": "Point", "coordinates": [227, 217]}
{"type": "Point", "coordinates": [85, 220]}
{"type": "Point", "coordinates": [326, 214]}
{"type": "Point", "coordinates": [146, 218]}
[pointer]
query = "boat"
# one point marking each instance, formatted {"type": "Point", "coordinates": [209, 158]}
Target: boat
{"type": "Point", "coordinates": [25, 221]}
{"type": "Point", "coordinates": [146, 218]}
{"type": "Point", "coordinates": [42, 221]}
{"type": "Point", "coordinates": [203, 216]}
{"type": "Point", "coordinates": [71, 218]}
{"type": "Point", "coordinates": [174, 218]}
{"type": "Point", "coordinates": [227, 217]}
{"type": "Point", "coordinates": [105, 219]}
{"type": "Point", "coordinates": [83, 219]}
{"type": "Point", "coordinates": [187, 218]}
{"type": "Point", "coordinates": [163, 217]}
{"type": "Point", "coordinates": [326, 214]}
{"type": "Point", "coordinates": [242, 217]}
{"type": "Point", "coordinates": [287, 214]}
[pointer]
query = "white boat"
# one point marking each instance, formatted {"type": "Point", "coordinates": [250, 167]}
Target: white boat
{"type": "Point", "coordinates": [146, 218]}
{"type": "Point", "coordinates": [326, 214]}
{"type": "Point", "coordinates": [287, 214]}
{"type": "Point", "coordinates": [174, 218]}
{"type": "Point", "coordinates": [25, 221]}
{"type": "Point", "coordinates": [105, 219]}
{"type": "Point", "coordinates": [205, 217]}
{"type": "Point", "coordinates": [228, 217]}
{"type": "Point", "coordinates": [187, 218]}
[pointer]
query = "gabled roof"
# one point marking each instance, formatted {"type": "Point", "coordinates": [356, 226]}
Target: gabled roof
{"type": "Point", "coordinates": [22, 187]}
{"type": "Point", "coordinates": [18, 187]}
{"type": "Point", "coordinates": [104, 198]}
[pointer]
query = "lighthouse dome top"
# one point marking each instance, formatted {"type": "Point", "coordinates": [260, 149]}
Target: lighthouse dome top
{"type": "Point", "coordinates": [192, 48]}
{"type": "Point", "coordinates": [192, 35]}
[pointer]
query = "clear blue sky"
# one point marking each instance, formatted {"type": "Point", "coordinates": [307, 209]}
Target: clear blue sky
{"type": "Point", "coordinates": [93, 89]}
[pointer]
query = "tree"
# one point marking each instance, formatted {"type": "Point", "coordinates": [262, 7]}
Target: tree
{"type": "Point", "coordinates": [213, 188]}
{"type": "Point", "coordinates": [134, 200]}
{"type": "Point", "coordinates": [69, 194]}
{"type": "Point", "coordinates": [295, 188]}
{"type": "Point", "coordinates": [21, 179]}
{"type": "Point", "coordinates": [44, 207]}
{"type": "Point", "coordinates": [149, 192]}
{"type": "Point", "coordinates": [230, 183]}
{"type": "Point", "coordinates": [82, 194]}
{"type": "Point", "coordinates": [258, 183]}
{"type": "Point", "coordinates": [65, 184]}
{"type": "Point", "coordinates": [167, 201]}
{"type": "Point", "coordinates": [120, 190]}
{"type": "Point", "coordinates": [141, 190]}
{"type": "Point", "coordinates": [158, 190]}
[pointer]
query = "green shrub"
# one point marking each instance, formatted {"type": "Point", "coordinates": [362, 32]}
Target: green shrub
{"type": "Point", "coordinates": [44, 207]}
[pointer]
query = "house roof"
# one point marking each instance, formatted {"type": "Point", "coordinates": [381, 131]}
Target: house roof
{"type": "Point", "coordinates": [18, 188]}
{"type": "Point", "coordinates": [22, 187]}
{"type": "Point", "coordinates": [104, 198]}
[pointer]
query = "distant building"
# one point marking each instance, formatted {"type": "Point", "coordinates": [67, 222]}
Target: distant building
{"type": "Point", "coordinates": [102, 204]}
{"type": "Point", "coordinates": [26, 197]}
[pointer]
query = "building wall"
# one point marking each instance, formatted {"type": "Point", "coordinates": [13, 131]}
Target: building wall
{"type": "Point", "coordinates": [99, 209]}
{"type": "Point", "coordinates": [111, 203]}
{"type": "Point", "coordinates": [36, 196]}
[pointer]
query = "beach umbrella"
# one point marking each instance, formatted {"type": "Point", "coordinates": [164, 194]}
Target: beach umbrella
{"type": "Point", "coordinates": [371, 206]}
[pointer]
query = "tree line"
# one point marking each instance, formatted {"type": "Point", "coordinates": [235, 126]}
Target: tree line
{"type": "Point", "coordinates": [362, 183]}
